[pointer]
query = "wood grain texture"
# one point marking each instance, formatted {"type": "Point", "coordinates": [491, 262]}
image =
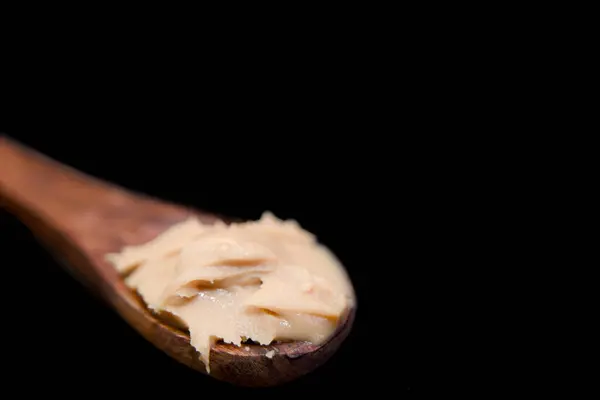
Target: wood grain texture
{"type": "Point", "coordinates": [80, 219]}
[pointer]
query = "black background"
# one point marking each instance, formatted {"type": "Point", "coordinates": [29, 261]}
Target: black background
{"type": "Point", "coordinates": [364, 190]}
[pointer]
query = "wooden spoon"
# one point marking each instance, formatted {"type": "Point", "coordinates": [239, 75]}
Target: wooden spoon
{"type": "Point", "coordinates": [80, 219]}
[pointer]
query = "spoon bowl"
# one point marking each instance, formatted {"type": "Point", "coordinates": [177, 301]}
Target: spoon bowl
{"type": "Point", "coordinates": [80, 219]}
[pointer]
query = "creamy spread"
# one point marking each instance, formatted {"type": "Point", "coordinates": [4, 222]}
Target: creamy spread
{"type": "Point", "coordinates": [262, 280]}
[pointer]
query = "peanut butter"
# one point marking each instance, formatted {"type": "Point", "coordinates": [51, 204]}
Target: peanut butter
{"type": "Point", "coordinates": [262, 280]}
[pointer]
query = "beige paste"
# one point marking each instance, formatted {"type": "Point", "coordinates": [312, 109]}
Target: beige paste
{"type": "Point", "coordinates": [263, 280]}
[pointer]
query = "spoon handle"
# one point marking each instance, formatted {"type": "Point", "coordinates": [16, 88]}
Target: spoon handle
{"type": "Point", "coordinates": [49, 199]}
{"type": "Point", "coordinates": [79, 218]}
{"type": "Point", "coordinates": [33, 184]}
